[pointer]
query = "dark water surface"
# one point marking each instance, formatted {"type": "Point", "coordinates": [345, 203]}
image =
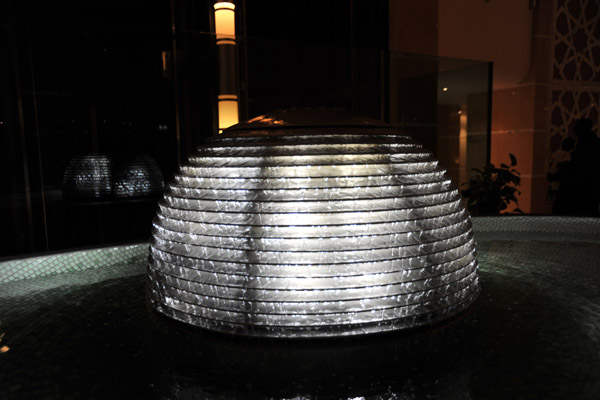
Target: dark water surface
{"type": "Point", "coordinates": [534, 333]}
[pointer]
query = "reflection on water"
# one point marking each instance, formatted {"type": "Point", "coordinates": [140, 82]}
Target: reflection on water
{"type": "Point", "coordinates": [3, 349]}
{"type": "Point", "coordinates": [421, 364]}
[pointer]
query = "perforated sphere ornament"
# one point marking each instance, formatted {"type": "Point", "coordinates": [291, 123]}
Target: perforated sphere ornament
{"type": "Point", "coordinates": [311, 224]}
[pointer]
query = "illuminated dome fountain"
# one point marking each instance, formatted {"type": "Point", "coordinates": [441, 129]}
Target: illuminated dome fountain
{"type": "Point", "coordinates": [311, 224]}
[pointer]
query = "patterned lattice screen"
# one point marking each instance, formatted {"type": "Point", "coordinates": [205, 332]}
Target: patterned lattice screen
{"type": "Point", "coordinates": [575, 89]}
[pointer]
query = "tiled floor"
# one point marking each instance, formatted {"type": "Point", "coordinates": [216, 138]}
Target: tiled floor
{"type": "Point", "coordinates": [534, 333]}
{"type": "Point", "coordinates": [33, 267]}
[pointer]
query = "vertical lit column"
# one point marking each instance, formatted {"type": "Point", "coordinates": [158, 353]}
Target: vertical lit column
{"type": "Point", "coordinates": [463, 172]}
{"type": "Point", "coordinates": [228, 88]}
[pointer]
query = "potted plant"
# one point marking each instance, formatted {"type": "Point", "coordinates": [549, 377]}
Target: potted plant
{"type": "Point", "coordinates": [492, 189]}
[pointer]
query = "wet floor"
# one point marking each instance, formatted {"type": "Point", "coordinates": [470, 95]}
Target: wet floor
{"type": "Point", "coordinates": [534, 332]}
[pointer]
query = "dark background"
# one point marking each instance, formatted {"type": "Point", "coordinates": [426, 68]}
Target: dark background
{"type": "Point", "coordinates": [128, 78]}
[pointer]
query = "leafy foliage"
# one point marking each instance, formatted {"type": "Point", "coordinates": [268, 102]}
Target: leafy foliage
{"type": "Point", "coordinates": [493, 189]}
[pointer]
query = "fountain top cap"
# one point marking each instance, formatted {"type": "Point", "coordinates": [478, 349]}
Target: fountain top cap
{"type": "Point", "coordinates": [305, 118]}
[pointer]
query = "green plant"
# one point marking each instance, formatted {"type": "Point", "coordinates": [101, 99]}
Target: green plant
{"type": "Point", "coordinates": [492, 189]}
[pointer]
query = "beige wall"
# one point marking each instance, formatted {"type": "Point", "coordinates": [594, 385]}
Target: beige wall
{"type": "Point", "coordinates": [516, 39]}
{"type": "Point", "coordinates": [413, 26]}
{"type": "Point", "coordinates": [496, 30]}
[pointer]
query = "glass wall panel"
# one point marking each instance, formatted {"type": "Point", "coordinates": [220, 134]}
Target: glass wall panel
{"type": "Point", "coordinates": [88, 119]}
{"type": "Point", "coordinates": [446, 104]}
{"type": "Point", "coordinates": [101, 101]}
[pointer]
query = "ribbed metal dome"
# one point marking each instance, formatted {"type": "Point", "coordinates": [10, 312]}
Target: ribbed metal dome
{"type": "Point", "coordinates": [304, 224]}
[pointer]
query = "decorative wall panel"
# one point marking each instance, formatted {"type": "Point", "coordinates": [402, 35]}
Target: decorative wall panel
{"type": "Point", "coordinates": [575, 89]}
{"type": "Point", "coordinates": [577, 41]}
{"type": "Point", "coordinates": [567, 107]}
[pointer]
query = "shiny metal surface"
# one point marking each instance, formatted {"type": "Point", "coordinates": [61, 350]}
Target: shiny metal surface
{"type": "Point", "coordinates": [284, 227]}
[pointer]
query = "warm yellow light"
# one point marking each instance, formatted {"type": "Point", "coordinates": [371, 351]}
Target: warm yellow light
{"type": "Point", "coordinates": [3, 349]}
{"type": "Point", "coordinates": [445, 89]}
{"type": "Point", "coordinates": [164, 61]}
{"type": "Point", "coordinates": [228, 111]}
{"type": "Point", "coordinates": [462, 168]}
{"type": "Point", "coordinates": [225, 21]}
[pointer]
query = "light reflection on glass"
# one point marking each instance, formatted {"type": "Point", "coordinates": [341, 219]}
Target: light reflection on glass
{"type": "Point", "coordinates": [138, 177]}
{"type": "Point", "coordinates": [88, 176]}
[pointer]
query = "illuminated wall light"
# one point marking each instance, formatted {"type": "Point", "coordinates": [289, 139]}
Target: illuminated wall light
{"type": "Point", "coordinates": [228, 111]}
{"type": "Point", "coordinates": [265, 232]}
{"type": "Point", "coordinates": [226, 47]}
{"type": "Point", "coordinates": [225, 22]}
{"type": "Point", "coordinates": [445, 89]}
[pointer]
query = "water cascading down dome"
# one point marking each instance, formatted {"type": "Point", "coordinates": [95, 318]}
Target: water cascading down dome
{"type": "Point", "coordinates": [309, 224]}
